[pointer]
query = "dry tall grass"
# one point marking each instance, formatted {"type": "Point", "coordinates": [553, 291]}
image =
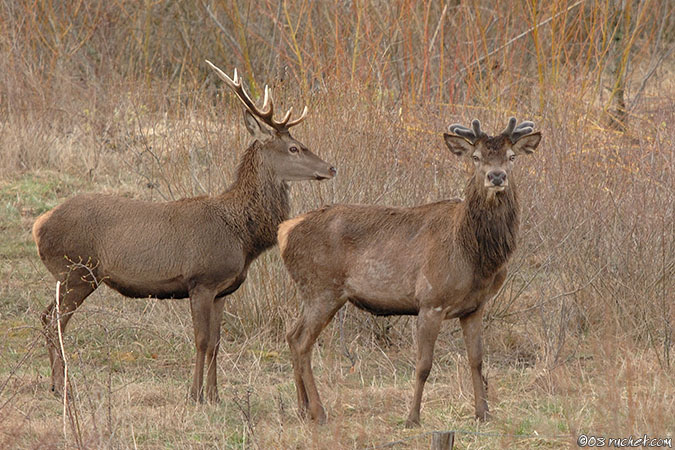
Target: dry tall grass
{"type": "Point", "coordinates": [114, 96]}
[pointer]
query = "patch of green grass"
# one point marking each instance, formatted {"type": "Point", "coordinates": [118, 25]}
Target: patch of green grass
{"type": "Point", "coordinates": [17, 248]}
{"type": "Point", "coordinates": [236, 440]}
{"type": "Point", "coordinates": [22, 200]}
{"type": "Point", "coordinates": [36, 192]}
{"type": "Point", "coordinates": [524, 427]}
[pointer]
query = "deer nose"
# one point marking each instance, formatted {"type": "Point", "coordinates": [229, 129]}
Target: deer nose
{"type": "Point", "coordinates": [333, 171]}
{"type": "Point", "coordinates": [496, 177]}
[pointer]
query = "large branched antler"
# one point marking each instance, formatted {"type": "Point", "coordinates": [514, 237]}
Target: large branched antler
{"type": "Point", "coordinates": [266, 114]}
{"type": "Point", "coordinates": [471, 134]}
{"type": "Point", "coordinates": [514, 132]}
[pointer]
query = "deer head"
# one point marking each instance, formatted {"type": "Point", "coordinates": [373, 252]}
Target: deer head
{"type": "Point", "coordinates": [492, 156]}
{"type": "Point", "coordinates": [289, 158]}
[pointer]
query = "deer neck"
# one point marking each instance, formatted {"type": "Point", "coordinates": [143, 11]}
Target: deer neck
{"type": "Point", "coordinates": [489, 226]}
{"type": "Point", "coordinates": [263, 200]}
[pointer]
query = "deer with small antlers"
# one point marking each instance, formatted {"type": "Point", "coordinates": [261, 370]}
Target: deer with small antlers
{"type": "Point", "coordinates": [437, 261]}
{"type": "Point", "coordinates": [199, 247]}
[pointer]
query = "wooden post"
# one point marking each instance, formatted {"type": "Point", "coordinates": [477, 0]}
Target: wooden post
{"type": "Point", "coordinates": [442, 440]}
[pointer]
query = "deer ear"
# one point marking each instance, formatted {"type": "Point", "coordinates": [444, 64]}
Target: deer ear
{"type": "Point", "coordinates": [527, 144]}
{"type": "Point", "coordinates": [457, 144]}
{"type": "Point", "coordinates": [254, 127]}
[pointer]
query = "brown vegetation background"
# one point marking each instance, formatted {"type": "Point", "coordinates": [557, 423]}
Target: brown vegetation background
{"type": "Point", "coordinates": [114, 96]}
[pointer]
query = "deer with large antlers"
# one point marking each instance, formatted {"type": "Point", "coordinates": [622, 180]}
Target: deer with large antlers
{"type": "Point", "coordinates": [199, 248]}
{"type": "Point", "coordinates": [437, 261]}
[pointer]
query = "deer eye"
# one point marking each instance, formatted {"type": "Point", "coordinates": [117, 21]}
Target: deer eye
{"type": "Point", "coordinates": [293, 149]}
{"type": "Point", "coordinates": [512, 158]}
{"type": "Point", "coordinates": [475, 158]}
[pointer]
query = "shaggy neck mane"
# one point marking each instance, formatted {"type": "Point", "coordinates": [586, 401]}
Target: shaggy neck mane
{"type": "Point", "coordinates": [489, 226]}
{"type": "Point", "coordinates": [263, 200]}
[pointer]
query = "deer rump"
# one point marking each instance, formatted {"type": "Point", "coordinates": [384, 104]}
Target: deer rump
{"type": "Point", "coordinates": [385, 264]}
{"type": "Point", "coordinates": [153, 255]}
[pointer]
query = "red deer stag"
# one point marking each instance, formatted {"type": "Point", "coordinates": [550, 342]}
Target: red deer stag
{"type": "Point", "coordinates": [436, 261]}
{"type": "Point", "coordinates": [199, 248]}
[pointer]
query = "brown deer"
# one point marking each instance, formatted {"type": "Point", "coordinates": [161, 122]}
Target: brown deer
{"type": "Point", "coordinates": [199, 247]}
{"type": "Point", "coordinates": [436, 261]}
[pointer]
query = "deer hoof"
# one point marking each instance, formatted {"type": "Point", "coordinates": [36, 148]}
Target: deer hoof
{"type": "Point", "coordinates": [483, 416]}
{"type": "Point", "coordinates": [57, 389]}
{"type": "Point", "coordinates": [319, 416]}
{"type": "Point", "coordinates": [213, 397]}
{"type": "Point", "coordinates": [412, 423]}
{"type": "Point", "coordinates": [196, 397]}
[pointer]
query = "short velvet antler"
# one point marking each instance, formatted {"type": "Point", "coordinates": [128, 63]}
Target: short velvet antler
{"type": "Point", "coordinates": [472, 135]}
{"type": "Point", "coordinates": [514, 132]}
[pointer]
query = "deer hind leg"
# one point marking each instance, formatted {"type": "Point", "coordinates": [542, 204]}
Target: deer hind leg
{"type": "Point", "coordinates": [315, 316]}
{"type": "Point", "coordinates": [73, 293]}
{"type": "Point", "coordinates": [291, 336]}
{"type": "Point", "coordinates": [472, 328]}
{"type": "Point", "coordinates": [212, 350]}
{"type": "Point", "coordinates": [202, 306]}
{"type": "Point", "coordinates": [428, 326]}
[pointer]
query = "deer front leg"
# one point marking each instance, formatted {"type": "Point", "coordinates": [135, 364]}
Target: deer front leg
{"type": "Point", "coordinates": [428, 326]}
{"type": "Point", "coordinates": [201, 305]}
{"type": "Point", "coordinates": [212, 350]}
{"type": "Point", "coordinates": [472, 328]}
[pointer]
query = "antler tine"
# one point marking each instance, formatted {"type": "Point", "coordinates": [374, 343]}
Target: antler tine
{"type": "Point", "coordinates": [299, 119]}
{"type": "Point", "coordinates": [461, 130]}
{"type": "Point", "coordinates": [458, 126]}
{"type": "Point", "coordinates": [268, 114]}
{"type": "Point", "coordinates": [475, 124]}
{"type": "Point", "coordinates": [283, 122]}
{"type": "Point", "coordinates": [268, 102]}
{"type": "Point", "coordinates": [526, 124]}
{"type": "Point", "coordinates": [510, 127]}
{"type": "Point", "coordinates": [235, 83]}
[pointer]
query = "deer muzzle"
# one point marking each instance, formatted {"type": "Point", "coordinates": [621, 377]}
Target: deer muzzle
{"type": "Point", "coordinates": [496, 179]}
{"type": "Point", "coordinates": [332, 171]}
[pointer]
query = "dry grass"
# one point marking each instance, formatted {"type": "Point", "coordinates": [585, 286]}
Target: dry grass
{"type": "Point", "coordinates": [113, 97]}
